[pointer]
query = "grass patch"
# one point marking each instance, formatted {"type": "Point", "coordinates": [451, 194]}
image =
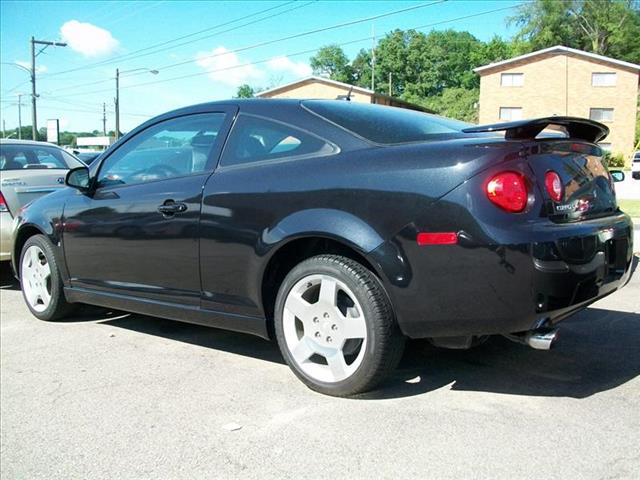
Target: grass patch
{"type": "Point", "coordinates": [630, 207]}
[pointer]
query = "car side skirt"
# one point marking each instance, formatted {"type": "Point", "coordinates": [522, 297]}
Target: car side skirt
{"type": "Point", "coordinates": [209, 318]}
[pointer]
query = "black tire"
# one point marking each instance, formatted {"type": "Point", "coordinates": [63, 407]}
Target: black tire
{"type": "Point", "coordinates": [58, 307]}
{"type": "Point", "coordinates": [384, 343]}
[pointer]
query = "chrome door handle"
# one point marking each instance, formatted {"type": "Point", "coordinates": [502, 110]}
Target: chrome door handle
{"type": "Point", "coordinates": [171, 208]}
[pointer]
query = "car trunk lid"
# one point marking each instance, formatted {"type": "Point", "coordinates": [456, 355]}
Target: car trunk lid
{"type": "Point", "coordinates": [587, 188]}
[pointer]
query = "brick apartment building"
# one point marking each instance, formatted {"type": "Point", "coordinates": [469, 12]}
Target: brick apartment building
{"type": "Point", "coordinates": [564, 81]}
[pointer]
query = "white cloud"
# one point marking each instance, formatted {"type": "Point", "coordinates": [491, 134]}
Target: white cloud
{"type": "Point", "coordinates": [25, 64]}
{"type": "Point", "coordinates": [87, 39]}
{"type": "Point", "coordinates": [285, 64]}
{"type": "Point", "coordinates": [227, 68]}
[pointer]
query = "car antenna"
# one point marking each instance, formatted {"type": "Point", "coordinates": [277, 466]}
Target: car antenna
{"type": "Point", "coordinates": [348, 99]}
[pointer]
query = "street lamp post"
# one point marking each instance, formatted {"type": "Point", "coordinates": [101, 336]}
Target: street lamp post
{"type": "Point", "coordinates": [34, 115]}
{"type": "Point", "coordinates": [20, 116]}
{"type": "Point", "coordinates": [117, 99]}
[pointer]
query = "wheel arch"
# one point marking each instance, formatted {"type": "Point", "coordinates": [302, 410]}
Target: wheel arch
{"type": "Point", "coordinates": [297, 249]}
{"type": "Point", "coordinates": [24, 233]}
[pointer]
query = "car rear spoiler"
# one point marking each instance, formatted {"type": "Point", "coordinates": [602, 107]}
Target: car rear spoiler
{"type": "Point", "coordinates": [574, 127]}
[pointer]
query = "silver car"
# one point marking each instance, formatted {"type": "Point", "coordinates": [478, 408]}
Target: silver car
{"type": "Point", "coordinates": [28, 170]}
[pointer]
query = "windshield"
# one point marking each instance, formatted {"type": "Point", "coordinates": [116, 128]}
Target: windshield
{"type": "Point", "coordinates": [387, 125]}
{"type": "Point", "coordinates": [27, 156]}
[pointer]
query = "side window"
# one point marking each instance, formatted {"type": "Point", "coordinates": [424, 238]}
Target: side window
{"type": "Point", "coordinates": [254, 139]}
{"type": "Point", "coordinates": [49, 159]}
{"type": "Point", "coordinates": [173, 148]}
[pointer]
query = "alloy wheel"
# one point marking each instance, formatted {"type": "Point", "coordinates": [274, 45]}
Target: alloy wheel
{"type": "Point", "coordinates": [325, 328]}
{"type": "Point", "coordinates": [36, 278]}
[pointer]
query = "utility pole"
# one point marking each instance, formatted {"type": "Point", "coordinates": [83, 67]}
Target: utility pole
{"type": "Point", "coordinates": [34, 122]}
{"type": "Point", "coordinates": [20, 116]}
{"type": "Point", "coordinates": [389, 83]}
{"type": "Point", "coordinates": [104, 119]}
{"type": "Point", "coordinates": [373, 58]}
{"type": "Point", "coordinates": [117, 102]}
{"type": "Point", "coordinates": [117, 99]}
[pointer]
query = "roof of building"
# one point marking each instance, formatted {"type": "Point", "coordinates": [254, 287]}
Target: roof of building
{"type": "Point", "coordinates": [559, 49]}
{"type": "Point", "coordinates": [315, 78]}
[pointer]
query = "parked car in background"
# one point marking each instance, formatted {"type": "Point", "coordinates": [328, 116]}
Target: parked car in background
{"type": "Point", "coordinates": [339, 228]}
{"type": "Point", "coordinates": [28, 170]}
{"type": "Point", "coordinates": [88, 157]}
{"type": "Point", "coordinates": [635, 166]}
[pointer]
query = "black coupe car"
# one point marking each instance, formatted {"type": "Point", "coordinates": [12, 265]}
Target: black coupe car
{"type": "Point", "coordinates": [338, 228]}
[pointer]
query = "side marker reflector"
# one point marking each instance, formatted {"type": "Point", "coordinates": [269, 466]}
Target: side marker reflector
{"type": "Point", "coordinates": [439, 238]}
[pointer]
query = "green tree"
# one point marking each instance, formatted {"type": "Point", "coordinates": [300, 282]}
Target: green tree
{"type": "Point", "coordinates": [332, 62]}
{"type": "Point", "coordinates": [245, 91]}
{"type": "Point", "coordinates": [605, 27]}
{"type": "Point", "coordinates": [455, 102]}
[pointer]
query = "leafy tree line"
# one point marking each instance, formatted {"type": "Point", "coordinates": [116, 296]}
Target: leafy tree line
{"type": "Point", "coordinates": [66, 138]}
{"type": "Point", "coordinates": [435, 69]}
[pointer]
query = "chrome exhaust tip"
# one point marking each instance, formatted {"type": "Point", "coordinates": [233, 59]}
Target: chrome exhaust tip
{"type": "Point", "coordinates": [542, 339]}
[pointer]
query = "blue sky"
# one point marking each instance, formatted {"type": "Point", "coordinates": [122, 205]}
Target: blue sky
{"type": "Point", "coordinates": [73, 82]}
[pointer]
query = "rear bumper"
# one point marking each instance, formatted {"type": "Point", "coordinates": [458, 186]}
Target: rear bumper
{"type": "Point", "coordinates": [6, 238]}
{"type": "Point", "coordinates": [478, 288]}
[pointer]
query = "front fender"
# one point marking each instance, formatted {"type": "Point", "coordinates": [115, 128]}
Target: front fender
{"type": "Point", "coordinates": [40, 217]}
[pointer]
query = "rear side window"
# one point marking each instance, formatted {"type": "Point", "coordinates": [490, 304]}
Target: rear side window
{"type": "Point", "coordinates": [387, 125]}
{"type": "Point", "coordinates": [254, 139]}
{"type": "Point", "coordinates": [18, 157]}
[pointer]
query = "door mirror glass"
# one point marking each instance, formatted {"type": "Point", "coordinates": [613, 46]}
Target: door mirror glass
{"type": "Point", "coordinates": [78, 178]}
{"type": "Point", "coordinates": [617, 175]}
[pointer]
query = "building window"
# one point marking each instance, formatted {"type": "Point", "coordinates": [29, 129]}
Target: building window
{"type": "Point", "coordinates": [605, 146]}
{"type": "Point", "coordinates": [601, 114]}
{"type": "Point", "coordinates": [510, 113]}
{"type": "Point", "coordinates": [512, 79]}
{"type": "Point", "coordinates": [603, 79]}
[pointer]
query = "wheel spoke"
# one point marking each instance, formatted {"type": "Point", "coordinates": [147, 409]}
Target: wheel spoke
{"type": "Point", "coordinates": [44, 294]}
{"type": "Point", "coordinates": [45, 269]}
{"type": "Point", "coordinates": [355, 328]}
{"type": "Point", "coordinates": [298, 306]}
{"type": "Point", "coordinates": [303, 350]}
{"type": "Point", "coordinates": [337, 364]}
{"type": "Point", "coordinates": [33, 258]}
{"type": "Point", "coordinates": [328, 291]}
{"type": "Point", "coordinates": [31, 293]}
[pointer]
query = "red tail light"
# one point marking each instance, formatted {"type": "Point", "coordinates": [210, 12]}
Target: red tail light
{"type": "Point", "coordinates": [3, 204]}
{"type": "Point", "coordinates": [554, 185]}
{"type": "Point", "coordinates": [508, 190]}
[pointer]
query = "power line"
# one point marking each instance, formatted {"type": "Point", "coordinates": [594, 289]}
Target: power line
{"type": "Point", "coordinates": [132, 55]}
{"type": "Point", "coordinates": [277, 40]}
{"type": "Point", "coordinates": [368, 38]}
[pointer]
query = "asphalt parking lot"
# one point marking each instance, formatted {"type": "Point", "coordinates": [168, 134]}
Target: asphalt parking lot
{"type": "Point", "coordinates": [111, 395]}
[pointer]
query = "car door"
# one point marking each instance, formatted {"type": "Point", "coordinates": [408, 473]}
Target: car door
{"type": "Point", "coordinates": [30, 170]}
{"type": "Point", "coordinates": [136, 233]}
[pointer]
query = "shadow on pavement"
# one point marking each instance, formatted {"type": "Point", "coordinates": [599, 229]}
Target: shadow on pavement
{"type": "Point", "coordinates": [597, 350]}
{"type": "Point", "coordinates": [7, 280]}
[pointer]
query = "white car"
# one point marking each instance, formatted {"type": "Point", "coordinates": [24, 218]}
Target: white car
{"type": "Point", "coordinates": [28, 170]}
{"type": "Point", "coordinates": [635, 166]}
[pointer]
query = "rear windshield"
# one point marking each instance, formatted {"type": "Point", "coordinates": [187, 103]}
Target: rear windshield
{"type": "Point", "coordinates": [387, 125]}
{"type": "Point", "coordinates": [27, 156]}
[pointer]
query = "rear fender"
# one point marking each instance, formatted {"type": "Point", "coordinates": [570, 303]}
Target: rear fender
{"type": "Point", "coordinates": [336, 224]}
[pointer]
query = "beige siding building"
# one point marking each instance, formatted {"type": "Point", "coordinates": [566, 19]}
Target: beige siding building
{"type": "Point", "coordinates": [564, 81]}
{"type": "Point", "coordinates": [324, 88]}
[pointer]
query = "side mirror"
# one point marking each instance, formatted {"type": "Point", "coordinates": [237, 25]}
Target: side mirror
{"type": "Point", "coordinates": [78, 178]}
{"type": "Point", "coordinates": [617, 175]}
